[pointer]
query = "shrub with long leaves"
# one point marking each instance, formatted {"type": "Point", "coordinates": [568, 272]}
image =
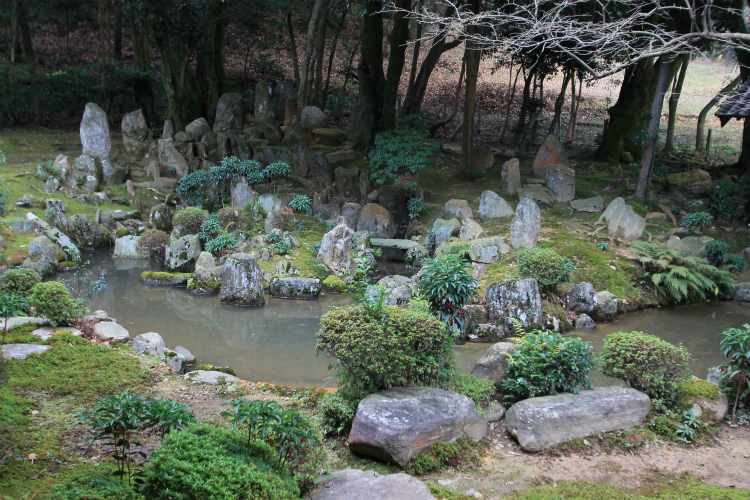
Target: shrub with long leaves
{"type": "Point", "coordinates": [735, 345]}
{"type": "Point", "coordinates": [11, 305]}
{"type": "Point", "coordinates": [678, 277]}
{"type": "Point", "coordinates": [401, 151]}
{"type": "Point", "coordinates": [447, 283]}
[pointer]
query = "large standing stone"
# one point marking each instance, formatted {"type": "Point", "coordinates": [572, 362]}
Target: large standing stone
{"type": "Point", "coordinates": [127, 248]}
{"type": "Point", "coordinates": [269, 202]}
{"type": "Point", "coordinates": [607, 306]}
{"type": "Point", "coordinates": [693, 184]}
{"type": "Point", "coordinates": [334, 249]}
{"type": "Point", "coordinates": [582, 299]}
{"type": "Point", "coordinates": [494, 364]}
{"type": "Point", "coordinates": [395, 425]}
{"type": "Point", "coordinates": [561, 183]}
{"type": "Point", "coordinates": [113, 174]}
{"type": "Point", "coordinates": [322, 171]}
{"type": "Point", "coordinates": [622, 221]}
{"type": "Point", "coordinates": [55, 213]}
{"type": "Point", "coordinates": [347, 180]}
{"type": "Point", "coordinates": [353, 484]}
{"type": "Point", "coordinates": [86, 233]}
{"type": "Point", "coordinates": [551, 153]}
{"type": "Point", "coordinates": [136, 135]}
{"type": "Point", "coordinates": [492, 207]}
{"type": "Point", "coordinates": [312, 117]}
{"type": "Point", "coordinates": [182, 253]}
{"type": "Point", "coordinates": [511, 176]}
{"type": "Point", "coordinates": [230, 113]}
{"type": "Point", "coordinates": [242, 281]}
{"type": "Point", "coordinates": [284, 91]}
{"type": "Point", "coordinates": [459, 209]}
{"type": "Point", "coordinates": [527, 222]}
{"type": "Point", "coordinates": [377, 220]}
{"type": "Point", "coordinates": [445, 229]}
{"type": "Point", "coordinates": [170, 159]}
{"type": "Point", "coordinates": [241, 195]}
{"type": "Point", "coordinates": [161, 217]}
{"type": "Point", "coordinates": [198, 128]}
{"type": "Point", "coordinates": [539, 423]}
{"type": "Point", "coordinates": [95, 136]}
{"type": "Point", "coordinates": [289, 287]}
{"type": "Point", "coordinates": [516, 299]}
{"type": "Point", "coordinates": [351, 213]}
{"type": "Point", "coordinates": [263, 111]}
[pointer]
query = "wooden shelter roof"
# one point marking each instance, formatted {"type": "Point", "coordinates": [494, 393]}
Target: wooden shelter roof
{"type": "Point", "coordinates": [736, 105]}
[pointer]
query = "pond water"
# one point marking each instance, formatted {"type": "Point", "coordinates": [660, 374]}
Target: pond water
{"type": "Point", "coordinates": [276, 343]}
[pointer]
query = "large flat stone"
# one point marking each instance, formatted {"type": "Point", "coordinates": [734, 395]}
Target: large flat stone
{"type": "Point", "coordinates": [22, 320]}
{"type": "Point", "coordinates": [46, 332]}
{"type": "Point", "coordinates": [395, 425]}
{"type": "Point", "coordinates": [353, 484]}
{"type": "Point", "coordinates": [110, 331]}
{"type": "Point", "coordinates": [23, 351]}
{"type": "Point", "coordinates": [210, 377]}
{"type": "Point", "coordinates": [538, 423]}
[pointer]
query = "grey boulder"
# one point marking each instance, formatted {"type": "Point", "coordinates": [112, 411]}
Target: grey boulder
{"type": "Point", "coordinates": [353, 484]}
{"type": "Point", "coordinates": [210, 377]}
{"type": "Point", "coordinates": [111, 331]}
{"type": "Point", "coordinates": [151, 343]}
{"type": "Point", "coordinates": [334, 249]}
{"type": "Point", "coordinates": [492, 206]}
{"type": "Point", "coordinates": [493, 366]}
{"type": "Point", "coordinates": [294, 288]}
{"type": "Point", "coordinates": [527, 222]}
{"type": "Point", "coordinates": [94, 131]}
{"type": "Point", "coordinates": [582, 299]}
{"type": "Point", "coordinates": [242, 281]}
{"type": "Point", "coordinates": [127, 248]}
{"type": "Point", "coordinates": [182, 253]}
{"type": "Point", "coordinates": [518, 300]}
{"type": "Point", "coordinates": [538, 423]}
{"type": "Point", "coordinates": [622, 222]}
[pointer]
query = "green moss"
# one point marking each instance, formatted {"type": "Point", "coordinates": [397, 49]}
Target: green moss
{"type": "Point", "coordinates": [463, 452]}
{"type": "Point", "coordinates": [446, 493]}
{"type": "Point", "coordinates": [334, 284]}
{"type": "Point", "coordinates": [211, 368]}
{"type": "Point", "coordinates": [121, 232]}
{"type": "Point", "coordinates": [693, 389]}
{"type": "Point", "coordinates": [68, 264]}
{"type": "Point", "coordinates": [162, 277]}
{"type": "Point", "coordinates": [557, 311]}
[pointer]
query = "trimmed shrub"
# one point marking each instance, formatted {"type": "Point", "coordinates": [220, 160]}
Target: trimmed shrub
{"type": "Point", "coordinates": [51, 300]}
{"type": "Point", "coordinates": [153, 241]}
{"type": "Point", "coordinates": [206, 462]}
{"type": "Point", "coordinates": [189, 220]}
{"type": "Point", "coordinates": [19, 281]}
{"type": "Point", "coordinates": [646, 363]}
{"type": "Point", "coordinates": [481, 391]}
{"type": "Point", "coordinates": [545, 265]}
{"type": "Point", "coordinates": [401, 347]}
{"type": "Point", "coordinates": [545, 363]}
{"type": "Point", "coordinates": [229, 218]}
{"type": "Point", "coordinates": [92, 486]}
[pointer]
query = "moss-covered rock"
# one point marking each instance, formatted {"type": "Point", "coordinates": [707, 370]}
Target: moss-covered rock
{"type": "Point", "coordinates": [334, 284]}
{"type": "Point", "coordinates": [704, 399]}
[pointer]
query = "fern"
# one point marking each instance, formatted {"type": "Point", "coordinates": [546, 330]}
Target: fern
{"type": "Point", "coordinates": [517, 331]}
{"type": "Point", "coordinates": [681, 278]}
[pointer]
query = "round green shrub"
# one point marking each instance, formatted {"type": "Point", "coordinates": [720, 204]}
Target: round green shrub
{"type": "Point", "coordinates": [92, 486]}
{"type": "Point", "coordinates": [481, 391]}
{"type": "Point", "coordinates": [545, 265]}
{"type": "Point", "coordinates": [646, 363]}
{"type": "Point", "coordinates": [154, 242]}
{"type": "Point", "coordinates": [336, 413]}
{"type": "Point", "coordinates": [19, 281]}
{"type": "Point", "coordinates": [229, 218]}
{"type": "Point", "coordinates": [334, 284]}
{"type": "Point", "coordinates": [51, 300]}
{"type": "Point", "coordinates": [400, 348]}
{"type": "Point", "coordinates": [205, 462]}
{"type": "Point", "coordinates": [189, 220]}
{"type": "Point", "coordinates": [545, 363]}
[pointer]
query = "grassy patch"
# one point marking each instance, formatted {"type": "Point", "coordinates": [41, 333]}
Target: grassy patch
{"type": "Point", "coordinates": [446, 493]}
{"type": "Point", "coordinates": [461, 453]}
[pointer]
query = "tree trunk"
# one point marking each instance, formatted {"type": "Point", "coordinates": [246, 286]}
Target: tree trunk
{"type": "Point", "coordinates": [674, 99]}
{"type": "Point", "coordinates": [416, 51]}
{"type": "Point", "coordinates": [142, 88]}
{"type": "Point", "coordinates": [333, 52]}
{"type": "Point", "coordinates": [319, 58]}
{"type": "Point", "coordinates": [370, 73]}
{"type": "Point", "coordinates": [629, 114]}
{"type": "Point", "coordinates": [15, 43]}
{"type": "Point", "coordinates": [29, 58]}
{"type": "Point", "coordinates": [103, 39]}
{"type": "Point", "coordinates": [399, 38]}
{"type": "Point", "coordinates": [575, 102]}
{"type": "Point", "coordinates": [471, 56]}
{"type": "Point", "coordinates": [415, 94]}
{"type": "Point", "coordinates": [700, 132]}
{"type": "Point", "coordinates": [308, 60]}
{"type": "Point", "coordinates": [210, 61]}
{"type": "Point", "coordinates": [649, 149]}
{"type": "Point", "coordinates": [511, 96]}
{"type": "Point", "coordinates": [293, 47]}
{"type": "Point", "coordinates": [447, 119]}
{"type": "Point", "coordinates": [560, 101]}
{"type": "Point", "coordinates": [118, 33]}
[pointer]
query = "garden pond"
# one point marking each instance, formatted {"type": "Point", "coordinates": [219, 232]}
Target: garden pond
{"type": "Point", "coordinates": [276, 343]}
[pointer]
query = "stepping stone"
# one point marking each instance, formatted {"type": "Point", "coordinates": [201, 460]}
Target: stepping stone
{"type": "Point", "coordinates": [22, 351]}
{"type": "Point", "coordinates": [22, 320]}
{"type": "Point", "coordinates": [46, 332]}
{"type": "Point", "coordinates": [210, 377]}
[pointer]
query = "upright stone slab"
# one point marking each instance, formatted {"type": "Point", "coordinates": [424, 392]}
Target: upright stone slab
{"type": "Point", "coordinates": [136, 135]}
{"type": "Point", "coordinates": [241, 195]}
{"type": "Point", "coordinates": [622, 221]}
{"type": "Point", "coordinates": [242, 281]}
{"type": "Point", "coordinates": [347, 181]}
{"type": "Point", "coordinates": [539, 423]}
{"type": "Point", "coordinates": [230, 113]}
{"type": "Point", "coordinates": [95, 137]}
{"type": "Point", "coordinates": [263, 111]}
{"type": "Point", "coordinates": [334, 249]}
{"type": "Point", "coordinates": [561, 183]}
{"type": "Point", "coordinates": [284, 91]}
{"type": "Point", "coordinates": [395, 425]}
{"type": "Point", "coordinates": [527, 222]}
{"type": "Point", "coordinates": [551, 153]}
{"type": "Point", "coordinates": [377, 220]}
{"type": "Point", "coordinates": [516, 299]}
{"type": "Point", "coordinates": [492, 206]}
{"type": "Point", "coordinates": [182, 253]}
{"type": "Point", "coordinates": [511, 176]}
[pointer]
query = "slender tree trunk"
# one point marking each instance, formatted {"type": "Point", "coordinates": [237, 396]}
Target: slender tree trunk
{"type": "Point", "coordinates": [649, 148]}
{"type": "Point", "coordinates": [674, 100]}
{"type": "Point", "coordinates": [118, 33]}
{"type": "Point", "coordinates": [700, 132]}
{"type": "Point", "coordinates": [210, 61]}
{"type": "Point", "coordinates": [142, 87]}
{"type": "Point", "coordinates": [29, 58]}
{"type": "Point", "coordinates": [523, 112]}
{"type": "Point", "coordinates": [371, 76]}
{"type": "Point", "coordinates": [471, 57]}
{"type": "Point", "coordinates": [560, 101]}
{"type": "Point", "coordinates": [319, 58]}
{"type": "Point", "coordinates": [351, 63]}
{"type": "Point", "coordinates": [447, 119]}
{"type": "Point", "coordinates": [415, 57]}
{"type": "Point", "coordinates": [293, 47]}
{"type": "Point", "coordinates": [333, 52]}
{"type": "Point", "coordinates": [399, 38]}
{"type": "Point", "coordinates": [15, 44]}
{"type": "Point", "coordinates": [575, 103]}
{"type": "Point", "coordinates": [103, 38]}
{"type": "Point", "coordinates": [511, 96]}
{"type": "Point", "coordinates": [308, 60]}
{"type": "Point", "coordinates": [415, 94]}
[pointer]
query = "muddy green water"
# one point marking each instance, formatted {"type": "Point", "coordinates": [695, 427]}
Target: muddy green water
{"type": "Point", "coordinates": [276, 343]}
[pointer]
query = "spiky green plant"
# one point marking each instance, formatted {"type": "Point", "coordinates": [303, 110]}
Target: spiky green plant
{"type": "Point", "coordinates": [681, 278]}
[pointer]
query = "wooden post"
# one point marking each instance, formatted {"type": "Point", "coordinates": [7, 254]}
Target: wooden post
{"type": "Point", "coordinates": [708, 141]}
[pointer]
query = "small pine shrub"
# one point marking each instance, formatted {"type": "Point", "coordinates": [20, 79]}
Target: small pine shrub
{"type": "Point", "coordinates": [545, 265]}
{"type": "Point", "coordinates": [727, 200]}
{"type": "Point", "coordinates": [19, 281]}
{"type": "Point", "coordinates": [153, 242]}
{"type": "Point", "coordinates": [51, 300]}
{"type": "Point", "coordinates": [229, 218]}
{"type": "Point", "coordinates": [93, 486]}
{"type": "Point", "coordinates": [546, 363]}
{"type": "Point", "coordinates": [204, 462]}
{"type": "Point", "coordinates": [646, 363]}
{"type": "Point", "coordinates": [189, 220]}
